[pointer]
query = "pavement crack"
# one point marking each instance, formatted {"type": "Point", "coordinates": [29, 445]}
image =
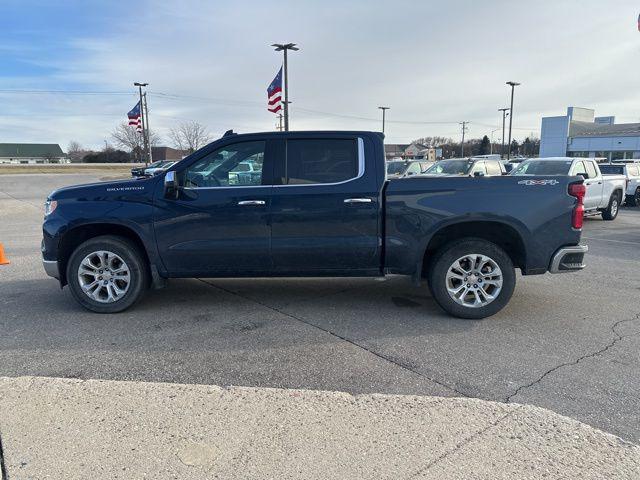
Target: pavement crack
{"type": "Point", "coordinates": [616, 338]}
{"type": "Point", "coordinates": [343, 338]}
{"type": "Point", "coordinates": [463, 443]}
{"type": "Point", "coordinates": [3, 468]}
{"type": "Point", "coordinates": [20, 200]}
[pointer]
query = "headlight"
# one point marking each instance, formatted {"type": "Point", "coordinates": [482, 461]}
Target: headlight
{"type": "Point", "coordinates": [49, 207]}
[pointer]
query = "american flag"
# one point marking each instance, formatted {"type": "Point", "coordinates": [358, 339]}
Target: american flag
{"type": "Point", "coordinates": [135, 119]}
{"type": "Point", "coordinates": [274, 94]}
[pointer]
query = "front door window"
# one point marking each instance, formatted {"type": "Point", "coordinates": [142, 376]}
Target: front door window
{"type": "Point", "coordinates": [236, 165]}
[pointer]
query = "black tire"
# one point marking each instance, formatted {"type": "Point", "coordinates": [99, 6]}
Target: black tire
{"type": "Point", "coordinates": [445, 258]}
{"type": "Point", "coordinates": [129, 253]}
{"type": "Point", "coordinates": [634, 200]}
{"type": "Point", "coordinates": [611, 212]}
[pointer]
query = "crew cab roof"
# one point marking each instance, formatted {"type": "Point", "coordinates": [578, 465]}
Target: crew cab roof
{"type": "Point", "coordinates": [306, 132]}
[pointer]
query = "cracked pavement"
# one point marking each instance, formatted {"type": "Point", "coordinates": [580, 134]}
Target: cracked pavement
{"type": "Point", "coordinates": [569, 343]}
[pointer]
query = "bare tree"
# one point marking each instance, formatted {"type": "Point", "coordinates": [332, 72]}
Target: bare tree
{"type": "Point", "coordinates": [76, 152]}
{"type": "Point", "coordinates": [189, 136]}
{"type": "Point", "coordinates": [130, 139]}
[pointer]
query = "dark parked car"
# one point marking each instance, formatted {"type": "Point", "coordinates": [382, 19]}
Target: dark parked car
{"type": "Point", "coordinates": [322, 207]}
{"type": "Point", "coordinates": [470, 167]}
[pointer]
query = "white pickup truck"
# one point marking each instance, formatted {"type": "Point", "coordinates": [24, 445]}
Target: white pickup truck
{"type": "Point", "coordinates": [631, 171]}
{"type": "Point", "coordinates": [605, 193]}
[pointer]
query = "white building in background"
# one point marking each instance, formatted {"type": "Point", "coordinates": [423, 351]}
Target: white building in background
{"type": "Point", "coordinates": [32, 153]}
{"type": "Point", "coordinates": [580, 133]}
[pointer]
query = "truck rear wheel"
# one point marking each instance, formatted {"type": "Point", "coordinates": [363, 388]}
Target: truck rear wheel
{"type": "Point", "coordinates": [107, 274]}
{"type": "Point", "coordinates": [472, 278]}
{"type": "Point", "coordinates": [611, 212]}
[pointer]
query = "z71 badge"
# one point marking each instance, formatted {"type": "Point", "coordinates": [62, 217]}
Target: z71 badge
{"type": "Point", "coordinates": [538, 182]}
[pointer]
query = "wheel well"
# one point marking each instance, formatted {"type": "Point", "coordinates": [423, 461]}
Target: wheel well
{"type": "Point", "coordinates": [74, 237]}
{"type": "Point", "coordinates": [502, 235]}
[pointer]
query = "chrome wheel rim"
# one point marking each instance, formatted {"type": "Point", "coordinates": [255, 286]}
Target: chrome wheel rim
{"type": "Point", "coordinates": [104, 276]}
{"type": "Point", "coordinates": [474, 280]}
{"type": "Point", "coordinates": [614, 206]}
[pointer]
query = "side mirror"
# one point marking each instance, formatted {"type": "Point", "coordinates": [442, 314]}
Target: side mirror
{"type": "Point", "coordinates": [478, 174]}
{"type": "Point", "coordinates": [171, 185]}
{"type": "Point", "coordinates": [583, 175]}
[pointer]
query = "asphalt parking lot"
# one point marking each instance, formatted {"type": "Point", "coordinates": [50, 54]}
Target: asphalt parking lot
{"type": "Point", "coordinates": [569, 343]}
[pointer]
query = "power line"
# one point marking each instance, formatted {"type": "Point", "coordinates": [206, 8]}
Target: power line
{"type": "Point", "coordinates": [240, 103]}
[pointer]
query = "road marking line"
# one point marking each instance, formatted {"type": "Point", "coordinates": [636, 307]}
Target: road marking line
{"type": "Point", "coordinates": [609, 240]}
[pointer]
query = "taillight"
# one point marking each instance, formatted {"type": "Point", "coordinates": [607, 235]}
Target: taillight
{"type": "Point", "coordinates": [577, 190]}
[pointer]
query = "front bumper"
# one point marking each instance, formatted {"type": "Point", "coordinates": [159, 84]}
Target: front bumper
{"type": "Point", "coordinates": [51, 268]}
{"type": "Point", "coordinates": [568, 259]}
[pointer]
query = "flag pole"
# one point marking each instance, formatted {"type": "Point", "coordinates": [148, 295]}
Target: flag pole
{"type": "Point", "coordinates": [146, 118]}
{"type": "Point", "coordinates": [284, 47]}
{"type": "Point", "coordinates": [144, 136]}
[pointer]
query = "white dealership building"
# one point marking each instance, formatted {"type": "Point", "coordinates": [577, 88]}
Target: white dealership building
{"type": "Point", "coordinates": [580, 133]}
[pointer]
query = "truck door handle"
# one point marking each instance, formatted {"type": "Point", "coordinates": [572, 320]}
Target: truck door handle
{"type": "Point", "coordinates": [358, 200]}
{"type": "Point", "coordinates": [251, 202]}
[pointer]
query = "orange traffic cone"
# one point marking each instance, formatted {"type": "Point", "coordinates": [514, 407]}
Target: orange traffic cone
{"type": "Point", "coordinates": [3, 260]}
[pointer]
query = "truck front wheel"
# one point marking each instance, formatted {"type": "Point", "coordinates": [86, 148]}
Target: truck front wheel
{"type": "Point", "coordinates": [107, 274]}
{"type": "Point", "coordinates": [472, 278]}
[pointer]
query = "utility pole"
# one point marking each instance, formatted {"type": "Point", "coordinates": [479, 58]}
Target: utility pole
{"type": "Point", "coordinates": [513, 86]}
{"type": "Point", "coordinates": [384, 109]}
{"type": "Point", "coordinates": [146, 129]}
{"type": "Point", "coordinates": [144, 136]}
{"type": "Point", "coordinates": [464, 129]}
{"type": "Point", "coordinates": [504, 114]}
{"type": "Point", "coordinates": [283, 47]}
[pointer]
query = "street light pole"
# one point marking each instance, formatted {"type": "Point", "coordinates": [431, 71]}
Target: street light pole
{"type": "Point", "coordinates": [142, 119]}
{"type": "Point", "coordinates": [513, 86]}
{"type": "Point", "coordinates": [492, 132]}
{"type": "Point", "coordinates": [384, 109]}
{"type": "Point", "coordinates": [283, 47]}
{"type": "Point", "coordinates": [504, 114]}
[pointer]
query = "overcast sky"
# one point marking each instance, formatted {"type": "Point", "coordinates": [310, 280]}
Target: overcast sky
{"type": "Point", "coordinates": [434, 63]}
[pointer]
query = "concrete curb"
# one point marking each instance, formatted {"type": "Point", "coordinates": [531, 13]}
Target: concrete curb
{"type": "Point", "coordinates": [62, 428]}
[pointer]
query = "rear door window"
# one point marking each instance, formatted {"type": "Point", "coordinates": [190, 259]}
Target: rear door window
{"type": "Point", "coordinates": [321, 161]}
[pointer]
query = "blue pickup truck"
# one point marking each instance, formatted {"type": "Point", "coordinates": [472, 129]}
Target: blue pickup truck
{"type": "Point", "coordinates": [314, 204]}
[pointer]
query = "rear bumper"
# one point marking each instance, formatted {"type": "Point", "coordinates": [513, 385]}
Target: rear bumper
{"type": "Point", "coordinates": [568, 259]}
{"type": "Point", "coordinates": [51, 268]}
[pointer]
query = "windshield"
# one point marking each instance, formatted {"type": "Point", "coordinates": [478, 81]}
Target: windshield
{"type": "Point", "coordinates": [450, 167]}
{"type": "Point", "coordinates": [395, 168]}
{"type": "Point", "coordinates": [543, 167]}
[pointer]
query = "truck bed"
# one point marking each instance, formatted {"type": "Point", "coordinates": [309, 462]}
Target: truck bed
{"type": "Point", "coordinates": [536, 210]}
